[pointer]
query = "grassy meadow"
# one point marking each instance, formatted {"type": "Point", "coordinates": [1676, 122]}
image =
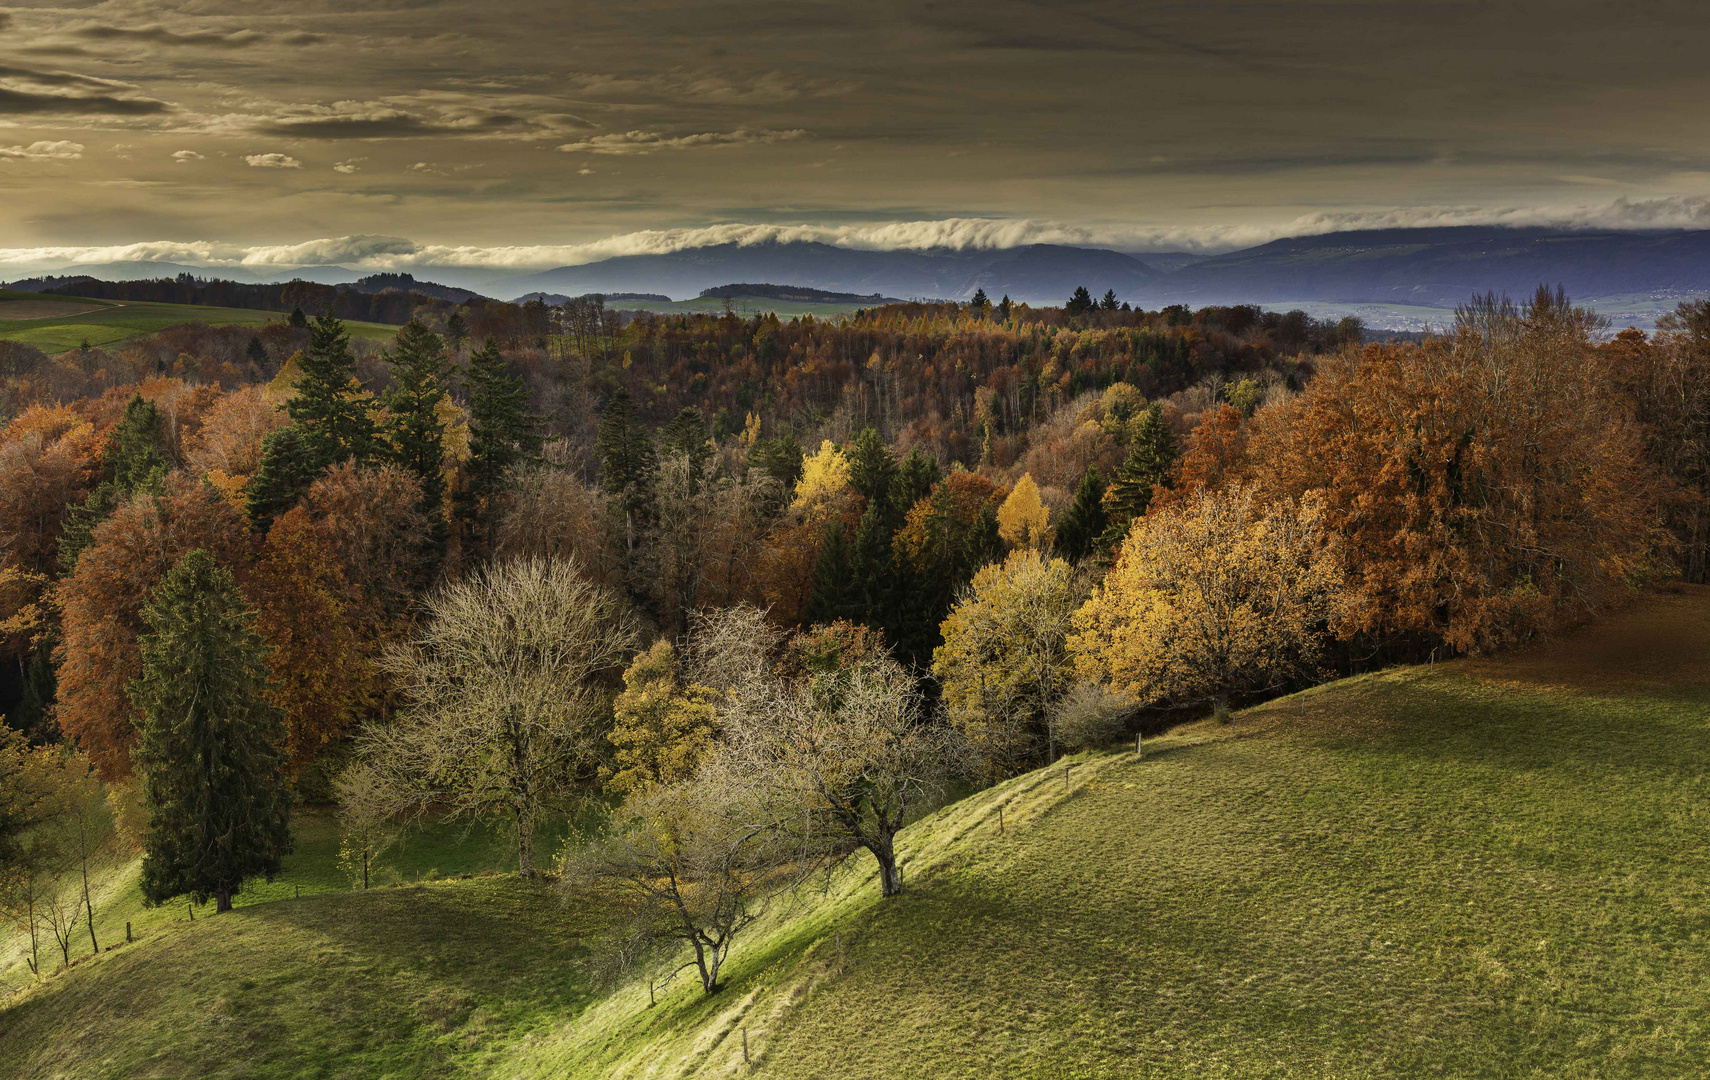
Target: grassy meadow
{"type": "Point", "coordinates": [28, 317]}
{"type": "Point", "coordinates": [1492, 868]}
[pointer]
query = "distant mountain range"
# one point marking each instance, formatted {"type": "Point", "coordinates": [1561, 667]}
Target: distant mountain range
{"type": "Point", "coordinates": [1039, 271]}
{"type": "Point", "coordinates": [1430, 268]}
{"type": "Point", "coordinates": [1444, 267]}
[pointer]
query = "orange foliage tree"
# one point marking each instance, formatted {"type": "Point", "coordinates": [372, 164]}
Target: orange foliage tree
{"type": "Point", "coordinates": [102, 601]}
{"type": "Point", "coordinates": [321, 676]}
{"type": "Point", "coordinates": [1487, 487]}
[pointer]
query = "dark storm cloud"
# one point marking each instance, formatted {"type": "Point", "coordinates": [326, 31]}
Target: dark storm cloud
{"type": "Point", "coordinates": [396, 125]}
{"type": "Point", "coordinates": [236, 39]}
{"type": "Point", "coordinates": [1103, 115]}
{"type": "Point", "coordinates": [25, 103]}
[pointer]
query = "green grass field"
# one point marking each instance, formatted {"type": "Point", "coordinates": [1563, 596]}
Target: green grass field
{"type": "Point", "coordinates": [113, 322]}
{"type": "Point", "coordinates": [1496, 868]}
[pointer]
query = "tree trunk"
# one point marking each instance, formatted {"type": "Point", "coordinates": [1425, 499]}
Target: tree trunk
{"type": "Point", "coordinates": [1220, 706]}
{"type": "Point", "coordinates": [88, 908]}
{"type": "Point", "coordinates": [890, 877]}
{"type": "Point", "coordinates": [222, 901]}
{"type": "Point", "coordinates": [525, 838]}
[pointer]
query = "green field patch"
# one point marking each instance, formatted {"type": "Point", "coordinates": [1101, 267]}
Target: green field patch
{"type": "Point", "coordinates": [115, 322]}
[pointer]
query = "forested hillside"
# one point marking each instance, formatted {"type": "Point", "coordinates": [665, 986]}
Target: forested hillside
{"type": "Point", "coordinates": [743, 599]}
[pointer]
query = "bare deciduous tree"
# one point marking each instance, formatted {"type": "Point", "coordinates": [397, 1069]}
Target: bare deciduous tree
{"type": "Point", "coordinates": [846, 752]}
{"type": "Point", "coordinates": [692, 864]}
{"type": "Point", "coordinates": [504, 690]}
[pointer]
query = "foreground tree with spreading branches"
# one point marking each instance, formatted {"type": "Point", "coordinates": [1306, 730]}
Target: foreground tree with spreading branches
{"type": "Point", "coordinates": [504, 693]}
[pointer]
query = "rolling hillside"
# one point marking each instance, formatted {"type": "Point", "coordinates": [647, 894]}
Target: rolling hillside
{"type": "Point", "coordinates": [1484, 868]}
{"type": "Point", "coordinates": [31, 318]}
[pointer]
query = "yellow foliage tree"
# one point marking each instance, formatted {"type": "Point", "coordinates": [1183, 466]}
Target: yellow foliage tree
{"type": "Point", "coordinates": [1215, 596]}
{"type": "Point", "coordinates": [1005, 658]}
{"type": "Point", "coordinates": [1023, 519]}
{"type": "Point", "coordinates": [661, 728]}
{"type": "Point", "coordinates": [825, 477]}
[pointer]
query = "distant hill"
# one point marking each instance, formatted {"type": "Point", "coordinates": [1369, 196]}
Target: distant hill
{"type": "Point", "coordinates": [1444, 267]}
{"type": "Point", "coordinates": [376, 283]}
{"type": "Point", "coordinates": [794, 292]}
{"type": "Point", "coordinates": [1040, 273]}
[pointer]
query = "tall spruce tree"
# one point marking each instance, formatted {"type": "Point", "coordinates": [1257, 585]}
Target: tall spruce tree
{"type": "Point", "coordinates": [335, 414]}
{"type": "Point", "coordinates": [1151, 456]}
{"type": "Point", "coordinates": [133, 460]}
{"type": "Point", "coordinates": [256, 351]}
{"type": "Point", "coordinates": [1084, 522]}
{"type": "Point", "coordinates": [836, 593]}
{"type": "Point", "coordinates": [1080, 302]}
{"type": "Point", "coordinates": [502, 434]}
{"type": "Point", "coordinates": [626, 462]}
{"type": "Point", "coordinates": [211, 747]}
{"type": "Point", "coordinates": [286, 471]}
{"type": "Point", "coordinates": [915, 477]}
{"type": "Point", "coordinates": [412, 424]}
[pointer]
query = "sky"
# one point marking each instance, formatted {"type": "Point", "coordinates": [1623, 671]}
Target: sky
{"type": "Point", "coordinates": [530, 134]}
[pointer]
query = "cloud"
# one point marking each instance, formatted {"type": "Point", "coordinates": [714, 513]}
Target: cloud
{"type": "Point", "coordinates": [26, 91]}
{"type": "Point", "coordinates": [60, 150]}
{"type": "Point", "coordinates": [382, 252]}
{"type": "Point", "coordinates": [340, 249]}
{"type": "Point", "coordinates": [386, 120]}
{"type": "Point", "coordinates": [649, 142]}
{"type": "Point", "coordinates": [236, 39]}
{"type": "Point", "coordinates": [272, 161]}
{"type": "Point", "coordinates": [347, 166]}
{"type": "Point", "coordinates": [182, 156]}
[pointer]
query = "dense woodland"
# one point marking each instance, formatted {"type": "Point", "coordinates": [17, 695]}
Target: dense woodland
{"type": "Point", "coordinates": [730, 570]}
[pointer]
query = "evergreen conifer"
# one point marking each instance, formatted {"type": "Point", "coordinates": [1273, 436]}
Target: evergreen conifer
{"type": "Point", "coordinates": [210, 749]}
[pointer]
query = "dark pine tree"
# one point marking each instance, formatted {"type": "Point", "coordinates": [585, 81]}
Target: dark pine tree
{"type": "Point", "coordinates": [685, 435]}
{"type": "Point", "coordinates": [133, 460]}
{"type": "Point", "coordinates": [1109, 301]}
{"type": "Point", "coordinates": [1080, 302]}
{"type": "Point", "coordinates": [328, 403]}
{"type": "Point", "coordinates": [1084, 522]}
{"type": "Point", "coordinates": [285, 473]}
{"type": "Point", "coordinates": [1004, 307]}
{"type": "Point", "coordinates": [412, 425]}
{"type": "Point", "coordinates": [502, 435]}
{"type": "Point", "coordinates": [298, 319]}
{"type": "Point", "coordinates": [1150, 459]}
{"type": "Point", "coordinates": [871, 467]}
{"type": "Point", "coordinates": [257, 352]}
{"type": "Point", "coordinates": [626, 462]}
{"type": "Point", "coordinates": [835, 592]}
{"type": "Point", "coordinates": [915, 477]}
{"type": "Point", "coordinates": [779, 458]}
{"type": "Point", "coordinates": [979, 303]}
{"type": "Point", "coordinates": [456, 330]}
{"type": "Point", "coordinates": [210, 749]}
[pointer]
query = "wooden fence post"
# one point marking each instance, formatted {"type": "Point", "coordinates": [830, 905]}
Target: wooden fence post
{"type": "Point", "coordinates": [745, 1046]}
{"type": "Point", "coordinates": [1137, 752]}
{"type": "Point", "coordinates": [127, 933]}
